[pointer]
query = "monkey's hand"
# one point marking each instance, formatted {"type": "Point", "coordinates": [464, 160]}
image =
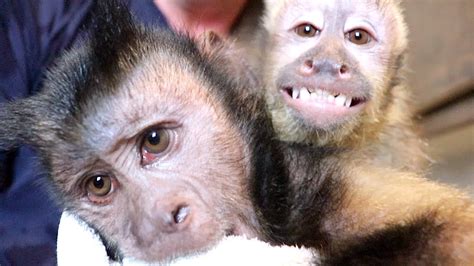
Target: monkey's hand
{"type": "Point", "coordinates": [79, 245]}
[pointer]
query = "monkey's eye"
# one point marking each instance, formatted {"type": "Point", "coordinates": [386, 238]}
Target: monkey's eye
{"type": "Point", "coordinates": [155, 142]}
{"type": "Point", "coordinates": [98, 187]}
{"type": "Point", "coordinates": [306, 30]}
{"type": "Point", "coordinates": [359, 36]}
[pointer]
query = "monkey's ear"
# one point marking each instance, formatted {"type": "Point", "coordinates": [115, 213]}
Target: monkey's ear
{"type": "Point", "coordinates": [230, 59]}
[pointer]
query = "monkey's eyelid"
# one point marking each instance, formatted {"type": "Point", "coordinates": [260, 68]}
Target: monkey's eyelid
{"type": "Point", "coordinates": [361, 25]}
{"type": "Point", "coordinates": [316, 18]}
{"type": "Point", "coordinates": [303, 22]}
{"type": "Point", "coordinates": [137, 130]}
{"type": "Point", "coordinates": [301, 30]}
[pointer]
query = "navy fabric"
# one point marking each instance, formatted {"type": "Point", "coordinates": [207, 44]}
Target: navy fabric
{"type": "Point", "coordinates": [32, 34]}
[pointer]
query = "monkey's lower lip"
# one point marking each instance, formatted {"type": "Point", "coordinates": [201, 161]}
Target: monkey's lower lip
{"type": "Point", "coordinates": [320, 107]}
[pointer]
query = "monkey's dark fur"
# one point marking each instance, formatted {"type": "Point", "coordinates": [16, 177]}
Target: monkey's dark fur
{"type": "Point", "coordinates": [61, 122]}
{"type": "Point", "coordinates": [298, 192]}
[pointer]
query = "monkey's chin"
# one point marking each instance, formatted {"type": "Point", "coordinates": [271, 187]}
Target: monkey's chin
{"type": "Point", "coordinates": [321, 113]}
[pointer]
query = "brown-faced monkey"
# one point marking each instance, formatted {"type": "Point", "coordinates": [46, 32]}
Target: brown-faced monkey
{"type": "Point", "coordinates": [145, 139]}
{"type": "Point", "coordinates": [333, 75]}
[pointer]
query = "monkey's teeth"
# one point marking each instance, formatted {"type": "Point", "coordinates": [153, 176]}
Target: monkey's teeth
{"type": "Point", "coordinates": [295, 93]}
{"type": "Point", "coordinates": [321, 95]}
{"type": "Point", "coordinates": [304, 94]}
{"type": "Point", "coordinates": [340, 100]}
{"type": "Point", "coordinates": [331, 98]}
{"type": "Point", "coordinates": [348, 102]}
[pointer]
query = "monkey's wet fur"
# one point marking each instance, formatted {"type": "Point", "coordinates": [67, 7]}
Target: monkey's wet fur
{"type": "Point", "coordinates": [148, 137]}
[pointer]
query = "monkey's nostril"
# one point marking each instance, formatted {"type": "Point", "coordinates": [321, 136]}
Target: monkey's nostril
{"type": "Point", "coordinates": [307, 68]}
{"type": "Point", "coordinates": [180, 214]}
{"type": "Point", "coordinates": [343, 69]}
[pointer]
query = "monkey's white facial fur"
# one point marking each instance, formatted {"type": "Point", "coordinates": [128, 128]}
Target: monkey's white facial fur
{"type": "Point", "coordinates": [329, 62]}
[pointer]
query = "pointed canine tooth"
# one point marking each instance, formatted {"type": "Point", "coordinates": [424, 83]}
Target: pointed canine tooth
{"type": "Point", "coordinates": [348, 102]}
{"type": "Point", "coordinates": [314, 95]}
{"type": "Point", "coordinates": [295, 93]}
{"type": "Point", "coordinates": [304, 94]}
{"type": "Point", "coordinates": [330, 98]}
{"type": "Point", "coordinates": [340, 100]}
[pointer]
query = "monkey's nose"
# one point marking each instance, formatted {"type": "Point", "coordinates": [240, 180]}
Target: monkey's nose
{"type": "Point", "coordinates": [311, 67]}
{"type": "Point", "coordinates": [180, 214]}
{"type": "Point", "coordinates": [174, 217]}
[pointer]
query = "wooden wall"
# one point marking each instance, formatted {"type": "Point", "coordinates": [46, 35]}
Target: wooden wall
{"type": "Point", "coordinates": [441, 60]}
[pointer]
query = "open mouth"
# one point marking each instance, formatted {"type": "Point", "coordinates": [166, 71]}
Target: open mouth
{"type": "Point", "coordinates": [320, 106]}
{"type": "Point", "coordinates": [323, 96]}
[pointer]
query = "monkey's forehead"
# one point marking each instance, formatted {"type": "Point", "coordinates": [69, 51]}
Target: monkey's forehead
{"type": "Point", "coordinates": [162, 76]}
{"type": "Point", "coordinates": [155, 64]}
{"type": "Point", "coordinates": [156, 88]}
{"type": "Point", "coordinates": [295, 9]}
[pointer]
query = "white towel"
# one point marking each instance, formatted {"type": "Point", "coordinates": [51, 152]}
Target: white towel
{"type": "Point", "coordinates": [79, 245]}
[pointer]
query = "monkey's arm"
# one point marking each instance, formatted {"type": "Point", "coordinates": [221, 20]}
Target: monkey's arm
{"type": "Point", "coordinates": [399, 216]}
{"type": "Point", "coordinates": [75, 239]}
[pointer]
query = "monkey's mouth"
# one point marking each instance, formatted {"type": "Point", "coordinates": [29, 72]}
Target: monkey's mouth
{"type": "Point", "coordinates": [322, 106]}
{"type": "Point", "coordinates": [323, 96]}
{"type": "Point", "coordinates": [239, 229]}
{"type": "Point", "coordinates": [232, 232]}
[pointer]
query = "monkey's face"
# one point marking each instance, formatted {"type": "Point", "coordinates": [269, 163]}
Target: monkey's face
{"type": "Point", "coordinates": [158, 168]}
{"type": "Point", "coordinates": [330, 64]}
{"type": "Point", "coordinates": [144, 138]}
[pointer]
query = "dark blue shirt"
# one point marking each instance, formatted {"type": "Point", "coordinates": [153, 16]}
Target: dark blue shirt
{"type": "Point", "coordinates": [32, 34]}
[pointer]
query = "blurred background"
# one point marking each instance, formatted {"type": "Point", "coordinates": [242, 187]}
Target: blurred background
{"type": "Point", "coordinates": [441, 60]}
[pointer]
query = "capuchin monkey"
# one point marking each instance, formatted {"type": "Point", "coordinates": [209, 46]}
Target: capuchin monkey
{"type": "Point", "coordinates": [146, 139]}
{"type": "Point", "coordinates": [334, 72]}
{"type": "Point", "coordinates": [333, 76]}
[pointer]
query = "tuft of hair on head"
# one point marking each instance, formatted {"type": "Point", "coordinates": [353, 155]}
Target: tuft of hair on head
{"type": "Point", "coordinates": [106, 40]}
{"type": "Point", "coordinates": [112, 34]}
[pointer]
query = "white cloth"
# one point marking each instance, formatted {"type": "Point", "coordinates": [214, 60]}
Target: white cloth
{"type": "Point", "coordinates": [79, 245]}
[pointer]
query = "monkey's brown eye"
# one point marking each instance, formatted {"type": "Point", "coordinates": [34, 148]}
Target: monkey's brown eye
{"type": "Point", "coordinates": [306, 30]}
{"type": "Point", "coordinates": [359, 36]}
{"type": "Point", "coordinates": [155, 142]}
{"type": "Point", "coordinates": [99, 186]}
